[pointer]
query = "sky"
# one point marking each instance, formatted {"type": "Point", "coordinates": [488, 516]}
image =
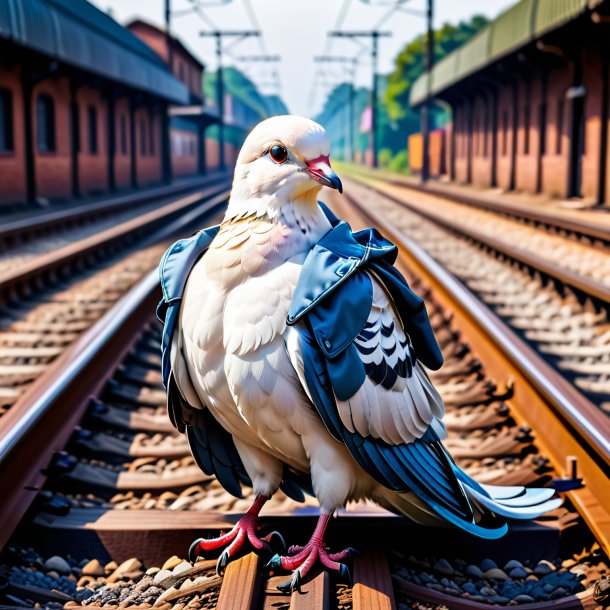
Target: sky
{"type": "Point", "coordinates": [297, 31]}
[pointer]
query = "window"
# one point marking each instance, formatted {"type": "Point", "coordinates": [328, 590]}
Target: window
{"type": "Point", "coordinates": [123, 134]}
{"type": "Point", "coordinates": [92, 129]}
{"type": "Point", "coordinates": [526, 128]}
{"type": "Point", "coordinates": [6, 120]}
{"type": "Point", "coordinates": [559, 125]}
{"type": "Point", "coordinates": [142, 137]}
{"type": "Point", "coordinates": [45, 117]}
{"type": "Point", "coordinates": [192, 147]}
{"type": "Point", "coordinates": [151, 136]}
{"type": "Point", "coordinates": [505, 133]}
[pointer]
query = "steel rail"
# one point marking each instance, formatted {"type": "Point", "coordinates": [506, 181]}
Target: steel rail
{"type": "Point", "coordinates": [41, 266]}
{"type": "Point", "coordinates": [579, 226]}
{"type": "Point", "coordinates": [244, 586]}
{"type": "Point", "coordinates": [20, 227]}
{"type": "Point", "coordinates": [570, 278]}
{"type": "Point", "coordinates": [565, 422]}
{"type": "Point", "coordinates": [43, 419]}
{"type": "Point", "coordinates": [581, 413]}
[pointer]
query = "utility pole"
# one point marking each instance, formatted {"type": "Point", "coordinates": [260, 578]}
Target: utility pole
{"type": "Point", "coordinates": [218, 35]}
{"type": "Point", "coordinates": [425, 111]}
{"type": "Point", "coordinates": [168, 23]}
{"type": "Point", "coordinates": [374, 36]}
{"type": "Point", "coordinates": [351, 69]}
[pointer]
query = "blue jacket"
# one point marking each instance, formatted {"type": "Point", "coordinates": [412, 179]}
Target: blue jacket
{"type": "Point", "coordinates": [329, 286]}
{"type": "Point", "coordinates": [333, 298]}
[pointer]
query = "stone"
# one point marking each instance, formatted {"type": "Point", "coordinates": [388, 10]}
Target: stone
{"type": "Point", "coordinates": [57, 563]}
{"type": "Point", "coordinates": [512, 564]}
{"type": "Point", "coordinates": [152, 571]}
{"type": "Point", "coordinates": [558, 593]}
{"type": "Point", "coordinates": [495, 574]}
{"type": "Point", "coordinates": [181, 568]}
{"type": "Point", "coordinates": [543, 568]}
{"type": "Point", "coordinates": [522, 598]}
{"type": "Point", "coordinates": [85, 581]}
{"type": "Point", "coordinates": [93, 568]}
{"type": "Point", "coordinates": [487, 564]}
{"type": "Point", "coordinates": [443, 567]}
{"type": "Point", "coordinates": [111, 566]}
{"type": "Point", "coordinates": [518, 573]}
{"type": "Point", "coordinates": [473, 571]}
{"type": "Point", "coordinates": [161, 576]}
{"type": "Point", "coordinates": [129, 565]}
{"type": "Point", "coordinates": [171, 563]}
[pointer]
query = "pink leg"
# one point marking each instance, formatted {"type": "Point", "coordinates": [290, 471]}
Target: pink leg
{"type": "Point", "coordinates": [302, 559]}
{"type": "Point", "coordinates": [245, 531]}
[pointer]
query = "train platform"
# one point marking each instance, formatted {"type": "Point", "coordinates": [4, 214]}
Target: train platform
{"type": "Point", "coordinates": [568, 214]}
{"type": "Point", "coordinates": [25, 212]}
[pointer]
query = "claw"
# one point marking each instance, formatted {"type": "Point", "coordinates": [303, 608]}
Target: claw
{"type": "Point", "coordinates": [194, 550]}
{"type": "Point", "coordinates": [222, 562]}
{"type": "Point", "coordinates": [292, 585]}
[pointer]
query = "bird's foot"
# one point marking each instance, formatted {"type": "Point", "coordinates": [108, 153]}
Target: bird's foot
{"type": "Point", "coordinates": [245, 534]}
{"type": "Point", "coordinates": [302, 560]}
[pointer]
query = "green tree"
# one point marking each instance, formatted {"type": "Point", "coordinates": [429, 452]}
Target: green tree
{"type": "Point", "coordinates": [409, 66]}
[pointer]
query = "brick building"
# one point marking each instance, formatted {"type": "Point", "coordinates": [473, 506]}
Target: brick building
{"type": "Point", "coordinates": [528, 97]}
{"type": "Point", "coordinates": [83, 103]}
{"type": "Point", "coordinates": [187, 123]}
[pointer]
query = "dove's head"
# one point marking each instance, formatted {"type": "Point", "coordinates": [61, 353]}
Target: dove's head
{"type": "Point", "coordinates": [283, 159]}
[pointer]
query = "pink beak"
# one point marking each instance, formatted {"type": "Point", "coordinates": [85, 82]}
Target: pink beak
{"type": "Point", "coordinates": [321, 171]}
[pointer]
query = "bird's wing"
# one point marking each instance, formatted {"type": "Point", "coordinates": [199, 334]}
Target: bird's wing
{"type": "Point", "coordinates": [390, 424]}
{"type": "Point", "coordinates": [396, 402]}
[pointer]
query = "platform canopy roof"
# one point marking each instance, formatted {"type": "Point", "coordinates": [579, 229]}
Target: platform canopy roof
{"type": "Point", "coordinates": [518, 26]}
{"type": "Point", "coordinates": [78, 34]}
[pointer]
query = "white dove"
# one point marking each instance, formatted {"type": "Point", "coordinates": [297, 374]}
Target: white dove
{"type": "Point", "coordinates": [292, 352]}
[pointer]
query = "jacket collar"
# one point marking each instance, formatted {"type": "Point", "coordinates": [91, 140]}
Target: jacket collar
{"type": "Point", "coordinates": [331, 261]}
{"type": "Point", "coordinates": [179, 259]}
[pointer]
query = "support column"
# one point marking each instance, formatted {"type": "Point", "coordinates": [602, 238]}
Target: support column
{"type": "Point", "coordinates": [74, 138]}
{"type": "Point", "coordinates": [515, 130]}
{"type": "Point", "coordinates": [28, 131]}
{"type": "Point", "coordinates": [603, 139]}
{"type": "Point", "coordinates": [133, 149]}
{"type": "Point", "coordinates": [454, 108]}
{"type": "Point", "coordinates": [494, 138]}
{"type": "Point", "coordinates": [577, 107]}
{"type": "Point", "coordinates": [542, 129]}
{"type": "Point", "coordinates": [166, 159]}
{"type": "Point", "coordinates": [201, 166]}
{"type": "Point", "coordinates": [469, 150]}
{"type": "Point", "coordinates": [111, 131]}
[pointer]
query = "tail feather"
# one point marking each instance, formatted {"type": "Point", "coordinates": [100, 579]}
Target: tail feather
{"type": "Point", "coordinates": [529, 506]}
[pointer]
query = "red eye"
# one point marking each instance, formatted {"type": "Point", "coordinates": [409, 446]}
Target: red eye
{"type": "Point", "coordinates": [278, 153]}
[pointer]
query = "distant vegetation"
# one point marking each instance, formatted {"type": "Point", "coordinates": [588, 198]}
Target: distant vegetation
{"type": "Point", "coordinates": [396, 120]}
{"type": "Point", "coordinates": [249, 105]}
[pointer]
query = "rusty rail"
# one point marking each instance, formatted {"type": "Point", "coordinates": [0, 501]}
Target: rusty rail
{"type": "Point", "coordinates": [23, 227]}
{"type": "Point", "coordinates": [22, 277]}
{"type": "Point", "coordinates": [541, 217]}
{"type": "Point", "coordinates": [565, 422]}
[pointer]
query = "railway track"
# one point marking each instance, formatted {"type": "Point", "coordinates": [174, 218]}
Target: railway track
{"type": "Point", "coordinates": [110, 499]}
{"type": "Point", "coordinates": [57, 293]}
{"type": "Point", "coordinates": [556, 290]}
